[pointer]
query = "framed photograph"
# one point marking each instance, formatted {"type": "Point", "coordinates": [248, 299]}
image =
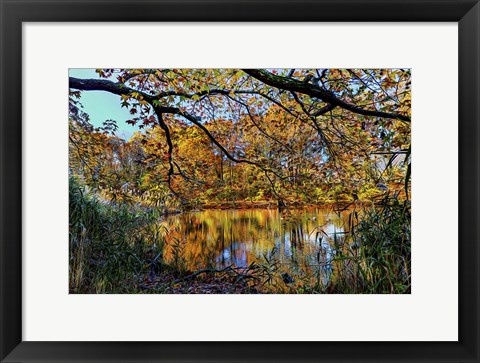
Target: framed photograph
{"type": "Point", "coordinates": [239, 181]}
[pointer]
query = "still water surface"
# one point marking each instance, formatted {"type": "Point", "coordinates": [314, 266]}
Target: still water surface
{"type": "Point", "coordinates": [219, 238]}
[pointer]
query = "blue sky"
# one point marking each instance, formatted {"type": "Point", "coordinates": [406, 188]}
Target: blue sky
{"type": "Point", "coordinates": [103, 106]}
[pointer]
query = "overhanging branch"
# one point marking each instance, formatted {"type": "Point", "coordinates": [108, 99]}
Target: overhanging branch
{"type": "Point", "coordinates": [312, 90]}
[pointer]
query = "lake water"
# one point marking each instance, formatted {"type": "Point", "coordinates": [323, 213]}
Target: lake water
{"type": "Point", "coordinates": [301, 240]}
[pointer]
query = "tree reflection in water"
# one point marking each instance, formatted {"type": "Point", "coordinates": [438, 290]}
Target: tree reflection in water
{"type": "Point", "coordinates": [303, 242]}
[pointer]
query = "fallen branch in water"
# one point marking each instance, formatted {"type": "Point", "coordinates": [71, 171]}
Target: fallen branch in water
{"type": "Point", "coordinates": [222, 271]}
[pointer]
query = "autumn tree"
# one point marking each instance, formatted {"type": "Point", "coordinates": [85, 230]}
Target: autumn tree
{"type": "Point", "coordinates": [293, 131]}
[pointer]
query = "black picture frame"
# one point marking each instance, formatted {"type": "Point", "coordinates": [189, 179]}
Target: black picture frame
{"type": "Point", "coordinates": [15, 12]}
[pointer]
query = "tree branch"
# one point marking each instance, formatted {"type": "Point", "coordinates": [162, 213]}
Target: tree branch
{"type": "Point", "coordinates": [312, 90]}
{"type": "Point", "coordinates": [103, 85]}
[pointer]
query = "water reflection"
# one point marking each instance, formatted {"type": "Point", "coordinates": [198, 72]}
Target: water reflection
{"type": "Point", "coordinates": [219, 238]}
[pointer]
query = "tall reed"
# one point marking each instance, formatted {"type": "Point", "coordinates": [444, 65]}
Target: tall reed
{"type": "Point", "coordinates": [110, 245]}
